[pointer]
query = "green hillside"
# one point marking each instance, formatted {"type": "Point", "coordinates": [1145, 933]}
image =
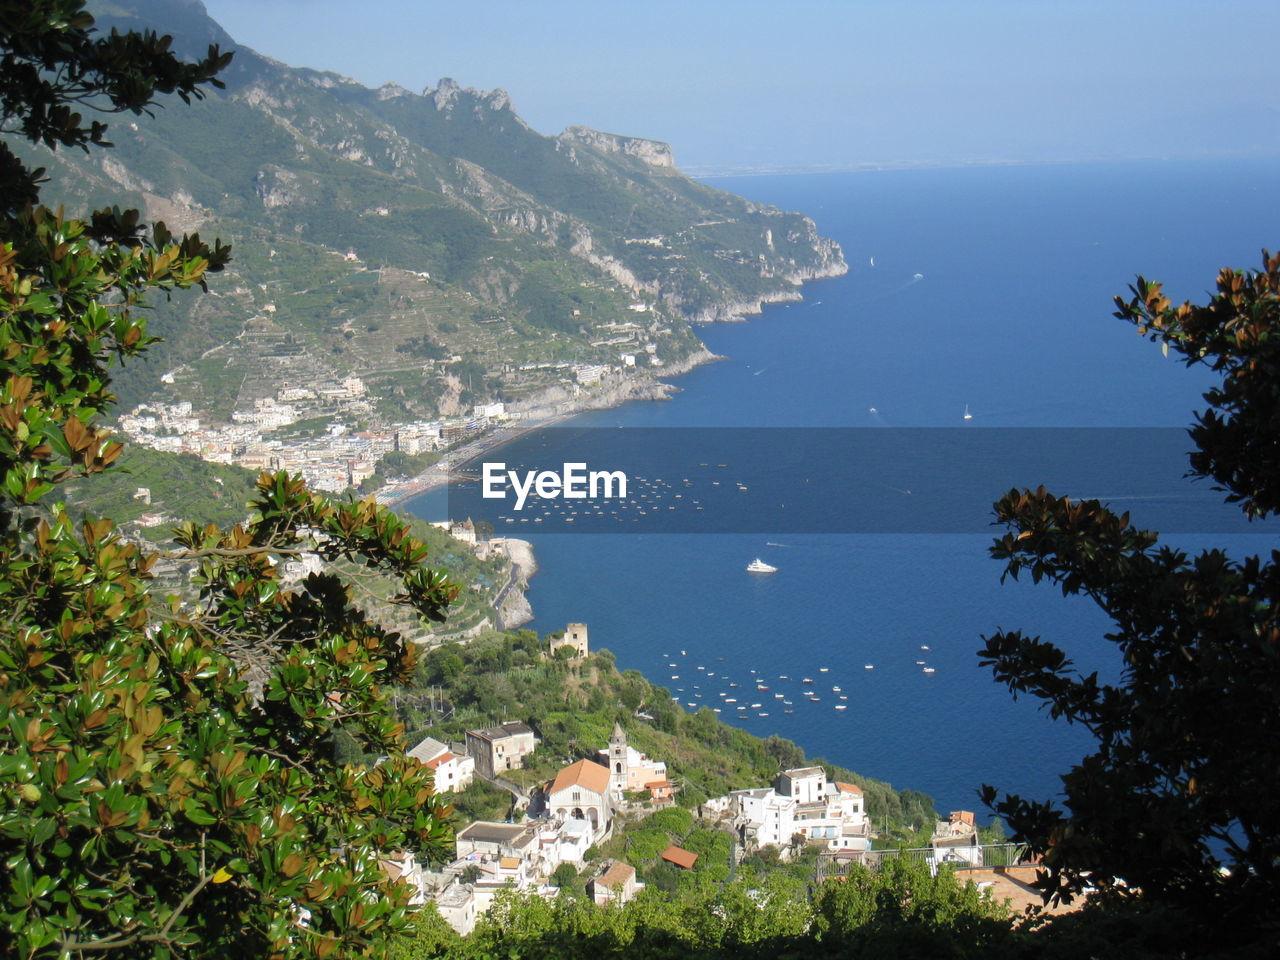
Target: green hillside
{"type": "Point", "coordinates": [411, 239]}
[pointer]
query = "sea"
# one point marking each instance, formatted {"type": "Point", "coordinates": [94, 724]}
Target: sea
{"type": "Point", "coordinates": [984, 290]}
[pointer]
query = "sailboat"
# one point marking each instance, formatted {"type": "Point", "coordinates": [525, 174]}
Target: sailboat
{"type": "Point", "coordinates": [967, 414]}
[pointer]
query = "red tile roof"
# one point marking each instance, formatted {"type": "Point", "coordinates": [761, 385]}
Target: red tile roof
{"type": "Point", "coordinates": [584, 773]}
{"type": "Point", "coordinates": [848, 787]}
{"type": "Point", "coordinates": [617, 873]}
{"type": "Point", "coordinates": [680, 857]}
{"type": "Point", "coordinates": [443, 758]}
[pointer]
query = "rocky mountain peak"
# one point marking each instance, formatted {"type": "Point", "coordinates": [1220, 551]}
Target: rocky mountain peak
{"type": "Point", "coordinates": [653, 152]}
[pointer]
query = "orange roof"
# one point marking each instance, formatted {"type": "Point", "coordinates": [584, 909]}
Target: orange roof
{"type": "Point", "coordinates": [508, 863]}
{"type": "Point", "coordinates": [443, 758]}
{"type": "Point", "coordinates": [848, 787]}
{"type": "Point", "coordinates": [617, 873]}
{"type": "Point", "coordinates": [584, 773]}
{"type": "Point", "coordinates": [657, 783]}
{"type": "Point", "coordinates": [681, 858]}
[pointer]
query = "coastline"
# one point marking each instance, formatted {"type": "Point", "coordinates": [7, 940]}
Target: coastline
{"type": "Point", "coordinates": [547, 410]}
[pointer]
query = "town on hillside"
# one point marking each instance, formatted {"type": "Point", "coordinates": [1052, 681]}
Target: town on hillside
{"type": "Point", "coordinates": [564, 821]}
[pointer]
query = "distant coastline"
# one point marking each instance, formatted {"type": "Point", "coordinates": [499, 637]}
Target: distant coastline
{"type": "Point", "coordinates": [714, 171]}
{"type": "Point", "coordinates": [546, 413]}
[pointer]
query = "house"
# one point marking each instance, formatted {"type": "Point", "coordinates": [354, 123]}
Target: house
{"type": "Point", "coordinates": [404, 866]}
{"type": "Point", "coordinates": [581, 792]}
{"type": "Point", "coordinates": [489, 839]}
{"type": "Point", "coordinates": [428, 749]}
{"type": "Point", "coordinates": [454, 773]}
{"type": "Point", "coordinates": [955, 840]}
{"type": "Point", "coordinates": [457, 905]}
{"type": "Point", "coordinates": [661, 791]}
{"type": "Point", "coordinates": [616, 884]}
{"type": "Point", "coordinates": [500, 748]}
{"type": "Point", "coordinates": [572, 840]}
{"type": "Point", "coordinates": [764, 817]}
{"type": "Point", "coordinates": [680, 857]}
{"type": "Point", "coordinates": [803, 806]}
{"type": "Point", "coordinates": [849, 800]}
{"type": "Point", "coordinates": [805, 784]}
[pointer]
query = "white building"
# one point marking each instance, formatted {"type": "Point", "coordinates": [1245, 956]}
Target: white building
{"type": "Point", "coordinates": [581, 792]}
{"type": "Point", "coordinates": [457, 905]}
{"type": "Point", "coordinates": [955, 840]}
{"type": "Point", "coordinates": [802, 806]}
{"type": "Point", "coordinates": [454, 773]}
{"type": "Point", "coordinates": [763, 817]}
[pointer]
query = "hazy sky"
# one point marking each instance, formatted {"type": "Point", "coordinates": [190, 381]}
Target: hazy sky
{"type": "Point", "coordinates": [825, 82]}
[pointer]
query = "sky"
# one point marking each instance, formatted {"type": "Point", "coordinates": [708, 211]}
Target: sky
{"type": "Point", "coordinates": [825, 84]}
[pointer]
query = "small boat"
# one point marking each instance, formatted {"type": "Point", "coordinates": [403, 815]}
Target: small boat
{"type": "Point", "coordinates": [841, 706]}
{"type": "Point", "coordinates": [967, 414]}
{"type": "Point", "coordinates": [928, 670]}
{"type": "Point", "coordinates": [868, 666]}
{"type": "Point", "coordinates": [835, 689]}
{"type": "Point", "coordinates": [924, 646]}
{"type": "Point", "coordinates": [759, 566]}
{"type": "Point", "coordinates": [823, 669]}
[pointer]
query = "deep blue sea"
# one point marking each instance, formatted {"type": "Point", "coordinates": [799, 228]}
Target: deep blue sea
{"type": "Point", "coordinates": [987, 288]}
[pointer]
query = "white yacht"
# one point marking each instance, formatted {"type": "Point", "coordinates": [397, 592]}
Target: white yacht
{"type": "Point", "coordinates": [759, 566]}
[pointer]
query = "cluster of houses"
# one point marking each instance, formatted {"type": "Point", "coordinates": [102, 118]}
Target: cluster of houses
{"type": "Point", "coordinates": [569, 815]}
{"type": "Point", "coordinates": [335, 460]}
{"type": "Point", "coordinates": [579, 807]}
{"type": "Point", "coordinates": [801, 807]}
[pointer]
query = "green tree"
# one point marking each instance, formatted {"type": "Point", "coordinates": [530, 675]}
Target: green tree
{"type": "Point", "coordinates": [903, 911]}
{"type": "Point", "coordinates": [168, 781]}
{"type": "Point", "coordinates": [564, 875]}
{"type": "Point", "coordinates": [1186, 775]}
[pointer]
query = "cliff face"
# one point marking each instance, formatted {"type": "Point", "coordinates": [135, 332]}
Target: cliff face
{"type": "Point", "coordinates": [382, 232]}
{"type": "Point", "coordinates": [652, 152]}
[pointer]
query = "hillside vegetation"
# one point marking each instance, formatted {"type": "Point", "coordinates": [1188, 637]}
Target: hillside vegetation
{"type": "Point", "coordinates": [430, 243]}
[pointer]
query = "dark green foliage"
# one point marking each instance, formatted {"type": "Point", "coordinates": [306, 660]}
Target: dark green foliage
{"type": "Point", "coordinates": [169, 783]}
{"type": "Point", "coordinates": [564, 875]}
{"type": "Point", "coordinates": [902, 912]}
{"type": "Point", "coordinates": [1186, 775]}
{"type": "Point", "coordinates": [480, 801]}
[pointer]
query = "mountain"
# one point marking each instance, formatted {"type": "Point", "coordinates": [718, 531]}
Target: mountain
{"type": "Point", "coordinates": [432, 244]}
